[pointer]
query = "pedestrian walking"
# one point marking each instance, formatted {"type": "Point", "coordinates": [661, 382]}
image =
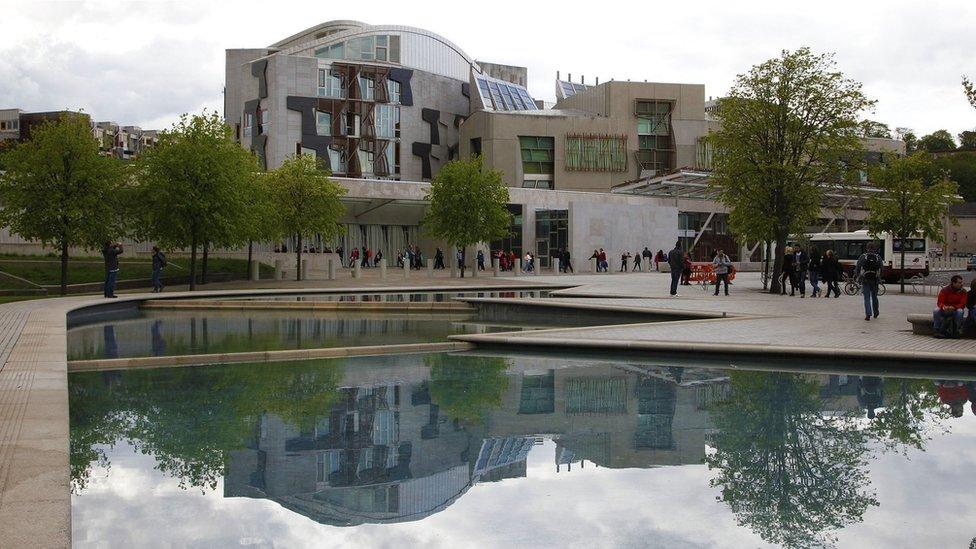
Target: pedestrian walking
{"type": "Point", "coordinates": [648, 257]}
{"type": "Point", "coordinates": [721, 266]}
{"type": "Point", "coordinates": [158, 263]}
{"type": "Point", "coordinates": [459, 257]}
{"type": "Point", "coordinates": [830, 272]}
{"type": "Point", "coordinates": [789, 262]}
{"type": "Point", "coordinates": [658, 259]}
{"type": "Point", "coordinates": [868, 270]}
{"type": "Point", "coordinates": [438, 259]}
{"type": "Point", "coordinates": [801, 266]}
{"type": "Point", "coordinates": [686, 270]}
{"type": "Point", "coordinates": [675, 260]}
{"type": "Point", "coordinates": [623, 261]}
{"type": "Point", "coordinates": [637, 263]}
{"type": "Point", "coordinates": [481, 260]}
{"type": "Point", "coordinates": [567, 264]}
{"type": "Point", "coordinates": [111, 253]}
{"type": "Point", "coordinates": [816, 263]}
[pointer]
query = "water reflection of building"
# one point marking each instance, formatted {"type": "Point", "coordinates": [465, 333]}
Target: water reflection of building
{"type": "Point", "coordinates": [384, 452]}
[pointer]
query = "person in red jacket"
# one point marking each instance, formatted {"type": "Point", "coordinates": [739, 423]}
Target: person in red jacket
{"type": "Point", "coordinates": [951, 304]}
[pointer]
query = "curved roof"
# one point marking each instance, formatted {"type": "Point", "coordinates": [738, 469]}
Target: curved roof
{"type": "Point", "coordinates": [337, 31]}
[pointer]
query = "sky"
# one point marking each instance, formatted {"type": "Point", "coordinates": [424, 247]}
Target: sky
{"type": "Point", "coordinates": [145, 63]}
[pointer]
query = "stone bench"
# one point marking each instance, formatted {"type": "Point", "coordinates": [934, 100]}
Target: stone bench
{"type": "Point", "coordinates": [921, 324]}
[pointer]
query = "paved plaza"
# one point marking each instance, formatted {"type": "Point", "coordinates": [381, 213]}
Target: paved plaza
{"type": "Point", "coordinates": [34, 473]}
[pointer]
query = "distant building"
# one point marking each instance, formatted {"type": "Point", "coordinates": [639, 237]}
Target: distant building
{"type": "Point", "coordinates": [125, 142]}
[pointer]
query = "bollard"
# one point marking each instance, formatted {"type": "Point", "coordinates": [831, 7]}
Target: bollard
{"type": "Point", "coordinates": [382, 269]}
{"type": "Point", "coordinates": [406, 270]}
{"type": "Point", "coordinates": [496, 267]}
{"type": "Point", "coordinates": [454, 265]}
{"type": "Point", "coordinates": [279, 273]}
{"type": "Point", "coordinates": [255, 270]}
{"type": "Point", "coordinates": [304, 269]}
{"type": "Point", "coordinates": [474, 269]}
{"type": "Point", "coordinates": [332, 268]}
{"type": "Point", "coordinates": [555, 267]}
{"type": "Point", "coordinates": [430, 268]}
{"type": "Point", "coordinates": [596, 265]}
{"type": "Point", "coordinates": [517, 269]}
{"type": "Point", "coordinates": [357, 270]}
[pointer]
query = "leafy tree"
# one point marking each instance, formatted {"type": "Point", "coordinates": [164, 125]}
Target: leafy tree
{"type": "Point", "coordinates": [961, 168]}
{"type": "Point", "coordinates": [967, 140]}
{"type": "Point", "coordinates": [304, 201]}
{"type": "Point", "coordinates": [909, 137]}
{"type": "Point", "coordinates": [872, 128]}
{"type": "Point", "coordinates": [789, 472]}
{"type": "Point", "coordinates": [912, 411]}
{"type": "Point", "coordinates": [196, 187]}
{"type": "Point", "coordinates": [939, 140]}
{"type": "Point", "coordinates": [970, 90]}
{"type": "Point", "coordinates": [914, 200]}
{"type": "Point", "coordinates": [789, 126]}
{"type": "Point", "coordinates": [467, 389]}
{"type": "Point", "coordinates": [59, 190]}
{"type": "Point", "coordinates": [468, 204]}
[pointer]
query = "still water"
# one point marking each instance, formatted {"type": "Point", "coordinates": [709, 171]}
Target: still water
{"type": "Point", "coordinates": [401, 297]}
{"type": "Point", "coordinates": [449, 450]}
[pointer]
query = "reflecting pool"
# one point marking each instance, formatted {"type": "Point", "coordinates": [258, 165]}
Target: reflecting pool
{"type": "Point", "coordinates": [460, 450]}
{"type": "Point", "coordinates": [401, 297]}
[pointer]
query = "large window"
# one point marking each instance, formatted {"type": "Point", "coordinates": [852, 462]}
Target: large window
{"type": "Point", "coordinates": [367, 89]}
{"type": "Point", "coordinates": [551, 234]}
{"type": "Point", "coordinates": [393, 91]}
{"type": "Point", "coordinates": [330, 84]}
{"type": "Point", "coordinates": [248, 124]}
{"type": "Point", "coordinates": [323, 123]}
{"type": "Point", "coordinates": [537, 154]}
{"type": "Point", "coordinates": [655, 140]}
{"type": "Point", "coordinates": [383, 47]}
{"type": "Point", "coordinates": [366, 162]}
{"type": "Point", "coordinates": [587, 153]}
{"type": "Point", "coordinates": [387, 121]}
{"type": "Point", "coordinates": [337, 160]}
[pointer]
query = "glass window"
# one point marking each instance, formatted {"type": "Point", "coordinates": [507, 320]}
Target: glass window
{"type": "Point", "coordinates": [366, 88]}
{"type": "Point", "coordinates": [596, 153]}
{"type": "Point", "coordinates": [330, 85]}
{"type": "Point", "coordinates": [323, 123]}
{"type": "Point", "coordinates": [394, 48]}
{"type": "Point", "coordinates": [391, 164]}
{"type": "Point", "coordinates": [386, 121]}
{"type": "Point", "coordinates": [337, 160]}
{"type": "Point", "coordinates": [393, 91]}
{"type": "Point", "coordinates": [366, 162]}
{"type": "Point", "coordinates": [248, 124]}
{"type": "Point", "coordinates": [537, 154]}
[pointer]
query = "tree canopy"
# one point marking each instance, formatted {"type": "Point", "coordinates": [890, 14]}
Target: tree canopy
{"type": "Point", "coordinates": [59, 190]}
{"type": "Point", "coordinates": [789, 128]}
{"type": "Point", "coordinates": [873, 128]}
{"type": "Point", "coordinates": [197, 187]}
{"type": "Point", "coordinates": [967, 139]}
{"type": "Point", "coordinates": [939, 140]}
{"type": "Point", "coordinates": [970, 90]}
{"type": "Point", "coordinates": [467, 390]}
{"type": "Point", "coordinates": [304, 201]}
{"type": "Point", "coordinates": [468, 204]}
{"type": "Point", "coordinates": [914, 199]}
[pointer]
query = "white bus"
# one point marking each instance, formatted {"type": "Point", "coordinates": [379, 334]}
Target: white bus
{"type": "Point", "coordinates": [849, 246]}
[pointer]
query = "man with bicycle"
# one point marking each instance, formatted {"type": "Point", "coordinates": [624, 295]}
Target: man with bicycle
{"type": "Point", "coordinates": [951, 306]}
{"type": "Point", "coordinates": [868, 271]}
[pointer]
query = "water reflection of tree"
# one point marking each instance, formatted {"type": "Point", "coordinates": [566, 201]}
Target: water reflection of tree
{"type": "Point", "coordinates": [787, 471]}
{"type": "Point", "coordinates": [188, 419]}
{"type": "Point", "coordinates": [912, 413]}
{"type": "Point", "coordinates": [467, 388]}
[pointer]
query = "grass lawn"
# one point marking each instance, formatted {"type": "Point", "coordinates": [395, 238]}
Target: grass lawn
{"type": "Point", "coordinates": [46, 270]}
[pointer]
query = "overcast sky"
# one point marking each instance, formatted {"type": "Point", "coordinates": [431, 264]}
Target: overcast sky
{"type": "Point", "coordinates": [145, 63]}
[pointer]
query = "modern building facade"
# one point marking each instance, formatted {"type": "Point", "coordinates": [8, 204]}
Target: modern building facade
{"type": "Point", "coordinates": [125, 142]}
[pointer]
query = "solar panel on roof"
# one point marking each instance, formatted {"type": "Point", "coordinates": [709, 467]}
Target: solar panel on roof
{"type": "Point", "coordinates": [504, 96]}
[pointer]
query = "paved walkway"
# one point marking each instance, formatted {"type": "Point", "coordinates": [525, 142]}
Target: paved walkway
{"type": "Point", "coordinates": [35, 504]}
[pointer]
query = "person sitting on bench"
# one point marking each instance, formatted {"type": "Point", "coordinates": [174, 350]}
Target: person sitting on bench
{"type": "Point", "coordinates": [951, 306]}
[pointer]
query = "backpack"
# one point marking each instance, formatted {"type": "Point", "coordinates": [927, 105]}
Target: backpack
{"type": "Point", "coordinates": [871, 266]}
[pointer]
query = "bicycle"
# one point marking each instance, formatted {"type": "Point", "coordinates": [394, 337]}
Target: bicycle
{"type": "Point", "coordinates": [852, 286]}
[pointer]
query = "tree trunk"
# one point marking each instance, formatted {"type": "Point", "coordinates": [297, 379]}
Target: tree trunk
{"type": "Point", "coordinates": [768, 247]}
{"type": "Point", "coordinates": [206, 254]}
{"type": "Point", "coordinates": [902, 265]}
{"type": "Point", "coordinates": [64, 268]}
{"type": "Point", "coordinates": [779, 251]}
{"type": "Point", "coordinates": [193, 263]}
{"type": "Point", "coordinates": [250, 257]}
{"type": "Point", "coordinates": [461, 263]}
{"type": "Point", "coordinates": [298, 264]}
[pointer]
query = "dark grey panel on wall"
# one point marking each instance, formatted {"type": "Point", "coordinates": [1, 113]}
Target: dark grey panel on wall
{"type": "Point", "coordinates": [466, 89]}
{"type": "Point", "coordinates": [403, 76]}
{"type": "Point", "coordinates": [260, 70]}
{"type": "Point", "coordinates": [423, 151]}
{"type": "Point", "coordinates": [432, 117]}
{"type": "Point", "coordinates": [310, 139]}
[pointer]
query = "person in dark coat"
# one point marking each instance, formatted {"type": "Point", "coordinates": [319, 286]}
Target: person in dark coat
{"type": "Point", "coordinates": [158, 262]}
{"type": "Point", "coordinates": [789, 271]}
{"type": "Point", "coordinates": [111, 253]}
{"type": "Point", "coordinates": [830, 273]}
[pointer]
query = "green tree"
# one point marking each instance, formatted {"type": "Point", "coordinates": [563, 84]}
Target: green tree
{"type": "Point", "coordinates": [467, 389]}
{"type": "Point", "coordinates": [304, 201]}
{"type": "Point", "coordinates": [961, 169]}
{"type": "Point", "coordinates": [939, 140]}
{"type": "Point", "coordinates": [970, 90]}
{"type": "Point", "coordinates": [908, 136]}
{"type": "Point", "coordinates": [789, 126]}
{"type": "Point", "coordinates": [967, 139]}
{"type": "Point", "coordinates": [913, 201]}
{"type": "Point", "coordinates": [786, 470]}
{"type": "Point", "coordinates": [59, 190]}
{"type": "Point", "coordinates": [912, 412]}
{"type": "Point", "coordinates": [196, 187]}
{"type": "Point", "coordinates": [873, 128]}
{"type": "Point", "coordinates": [468, 204]}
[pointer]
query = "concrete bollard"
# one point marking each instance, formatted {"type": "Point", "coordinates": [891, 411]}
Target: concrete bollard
{"type": "Point", "coordinates": [357, 269]}
{"type": "Point", "coordinates": [430, 268]}
{"type": "Point", "coordinates": [454, 266]}
{"type": "Point", "coordinates": [517, 270]}
{"type": "Point", "coordinates": [304, 269]}
{"type": "Point", "coordinates": [555, 267]}
{"type": "Point", "coordinates": [474, 269]}
{"type": "Point", "coordinates": [279, 274]}
{"type": "Point", "coordinates": [596, 265]}
{"type": "Point", "coordinates": [406, 270]}
{"type": "Point", "coordinates": [255, 270]}
{"type": "Point", "coordinates": [382, 269]}
{"type": "Point", "coordinates": [496, 267]}
{"type": "Point", "coordinates": [332, 268]}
